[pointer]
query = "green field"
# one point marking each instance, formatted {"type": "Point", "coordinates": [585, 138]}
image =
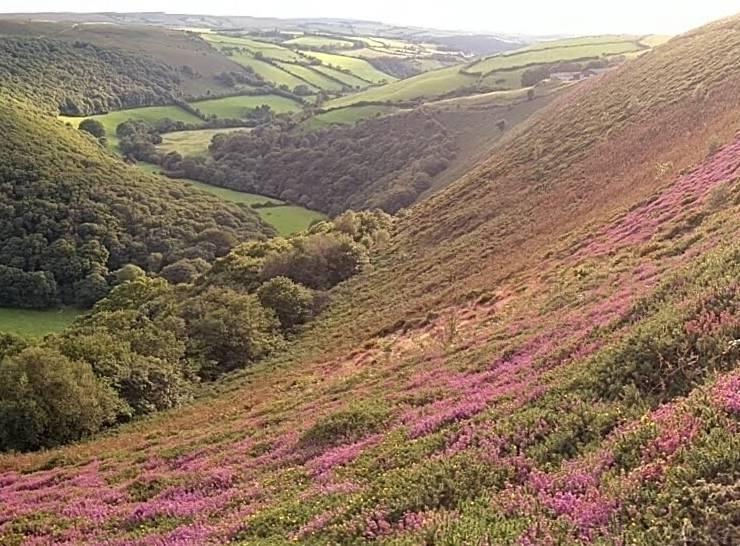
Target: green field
{"type": "Point", "coordinates": [286, 219]}
{"type": "Point", "coordinates": [313, 77]}
{"type": "Point", "coordinates": [350, 114]}
{"type": "Point", "coordinates": [33, 323]}
{"type": "Point", "coordinates": [267, 49]}
{"type": "Point", "coordinates": [347, 79]}
{"type": "Point", "coordinates": [358, 67]}
{"type": "Point", "coordinates": [189, 143]}
{"type": "Point", "coordinates": [151, 113]}
{"type": "Point", "coordinates": [268, 72]}
{"type": "Point", "coordinates": [429, 85]}
{"type": "Point", "coordinates": [289, 219]}
{"type": "Point", "coordinates": [236, 107]}
{"type": "Point", "coordinates": [568, 50]}
{"type": "Point", "coordinates": [329, 42]}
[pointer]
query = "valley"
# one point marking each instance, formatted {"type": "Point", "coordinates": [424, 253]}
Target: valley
{"type": "Point", "coordinates": [329, 281]}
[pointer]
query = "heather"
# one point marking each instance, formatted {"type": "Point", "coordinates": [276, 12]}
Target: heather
{"type": "Point", "coordinates": [565, 372]}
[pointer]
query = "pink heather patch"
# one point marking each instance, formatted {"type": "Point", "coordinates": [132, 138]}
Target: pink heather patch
{"type": "Point", "coordinates": [641, 224]}
{"type": "Point", "coordinates": [444, 412]}
{"type": "Point", "coordinates": [340, 455]}
{"type": "Point", "coordinates": [315, 525]}
{"type": "Point", "coordinates": [727, 394]}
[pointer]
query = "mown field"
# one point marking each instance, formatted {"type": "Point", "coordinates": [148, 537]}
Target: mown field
{"type": "Point", "coordinates": [33, 323]}
{"type": "Point", "coordinates": [237, 107]}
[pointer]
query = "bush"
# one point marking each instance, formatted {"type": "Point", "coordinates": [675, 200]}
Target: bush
{"type": "Point", "coordinates": [345, 426]}
{"type": "Point", "coordinates": [292, 303]}
{"type": "Point", "coordinates": [228, 330]}
{"type": "Point", "coordinates": [47, 399]}
{"type": "Point", "coordinates": [92, 126]}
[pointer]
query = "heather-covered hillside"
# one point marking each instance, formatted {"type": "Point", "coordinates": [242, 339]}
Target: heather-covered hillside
{"type": "Point", "coordinates": [546, 353]}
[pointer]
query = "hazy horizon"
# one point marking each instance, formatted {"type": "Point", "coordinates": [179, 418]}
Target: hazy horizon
{"type": "Point", "coordinates": [566, 17]}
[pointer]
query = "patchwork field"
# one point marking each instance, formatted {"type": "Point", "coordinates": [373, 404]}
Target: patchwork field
{"type": "Point", "coordinates": [32, 323]}
{"type": "Point", "coordinates": [236, 107]}
{"type": "Point", "coordinates": [560, 51]}
{"type": "Point", "coordinates": [358, 67]}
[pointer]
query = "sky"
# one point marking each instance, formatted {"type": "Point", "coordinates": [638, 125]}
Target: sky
{"type": "Point", "coordinates": [509, 16]}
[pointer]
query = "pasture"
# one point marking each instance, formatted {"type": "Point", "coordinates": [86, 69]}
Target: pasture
{"type": "Point", "coordinates": [358, 67]}
{"type": "Point", "coordinates": [426, 85]}
{"type": "Point", "coordinates": [190, 143]}
{"type": "Point", "coordinates": [315, 41]}
{"type": "Point", "coordinates": [313, 77]}
{"type": "Point", "coordinates": [237, 107]}
{"type": "Point", "coordinates": [351, 114]}
{"type": "Point", "coordinates": [152, 114]}
{"type": "Point", "coordinates": [36, 323]}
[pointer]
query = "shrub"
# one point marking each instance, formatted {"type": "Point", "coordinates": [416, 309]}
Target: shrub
{"type": "Point", "coordinates": [92, 126]}
{"type": "Point", "coordinates": [292, 303]}
{"type": "Point", "coordinates": [345, 426]}
{"type": "Point", "coordinates": [228, 330]}
{"type": "Point", "coordinates": [47, 399]}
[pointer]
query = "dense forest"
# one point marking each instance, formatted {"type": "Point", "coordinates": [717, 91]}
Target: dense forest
{"type": "Point", "coordinates": [147, 345]}
{"type": "Point", "coordinates": [383, 163]}
{"type": "Point", "coordinates": [83, 79]}
{"type": "Point", "coordinates": [70, 215]}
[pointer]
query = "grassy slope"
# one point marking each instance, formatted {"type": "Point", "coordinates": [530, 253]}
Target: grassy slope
{"type": "Point", "coordinates": [351, 114]}
{"type": "Point", "coordinates": [34, 323]}
{"type": "Point", "coordinates": [490, 415]}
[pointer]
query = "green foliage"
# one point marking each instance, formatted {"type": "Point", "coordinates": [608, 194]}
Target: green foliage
{"type": "Point", "coordinates": [92, 126]}
{"type": "Point", "coordinates": [80, 78]}
{"type": "Point", "coordinates": [292, 303]}
{"type": "Point", "coordinates": [345, 426]}
{"type": "Point", "coordinates": [373, 164]}
{"type": "Point", "coordinates": [47, 399]}
{"type": "Point", "coordinates": [228, 330]}
{"type": "Point", "coordinates": [71, 214]}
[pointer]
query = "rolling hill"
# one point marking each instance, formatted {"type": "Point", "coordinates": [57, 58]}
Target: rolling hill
{"type": "Point", "coordinates": [546, 352]}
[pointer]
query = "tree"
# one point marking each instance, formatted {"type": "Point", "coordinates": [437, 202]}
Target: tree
{"type": "Point", "coordinates": [184, 271]}
{"type": "Point", "coordinates": [92, 126]}
{"type": "Point", "coordinates": [228, 330]}
{"type": "Point", "coordinates": [91, 289]}
{"type": "Point", "coordinates": [47, 399]}
{"type": "Point", "coordinates": [292, 303]}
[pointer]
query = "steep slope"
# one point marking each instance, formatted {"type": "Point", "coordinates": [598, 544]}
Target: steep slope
{"type": "Point", "coordinates": [545, 354]}
{"type": "Point", "coordinates": [71, 213]}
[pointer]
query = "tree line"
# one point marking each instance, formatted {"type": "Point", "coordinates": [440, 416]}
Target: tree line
{"type": "Point", "coordinates": [147, 345]}
{"type": "Point", "coordinates": [82, 79]}
{"type": "Point", "coordinates": [383, 163]}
